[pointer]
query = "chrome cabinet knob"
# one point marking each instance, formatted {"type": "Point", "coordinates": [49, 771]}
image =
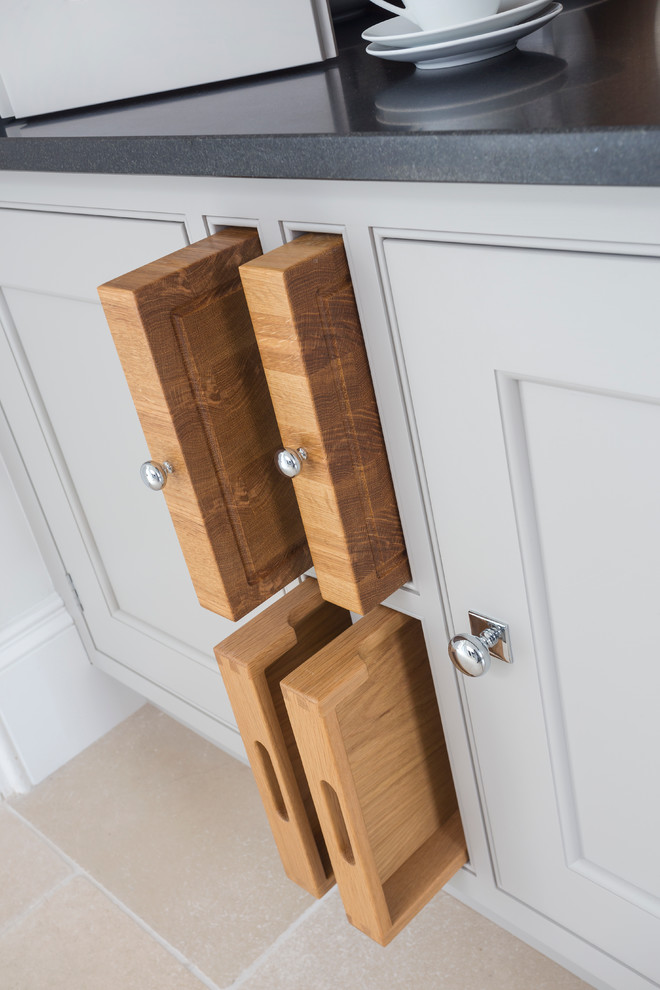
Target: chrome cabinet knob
{"type": "Point", "coordinates": [155, 475]}
{"type": "Point", "coordinates": [471, 652]}
{"type": "Point", "coordinates": [290, 462]}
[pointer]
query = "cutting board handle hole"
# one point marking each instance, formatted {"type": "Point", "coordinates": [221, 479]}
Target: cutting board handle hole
{"type": "Point", "coordinates": [272, 781]}
{"type": "Point", "coordinates": [338, 824]}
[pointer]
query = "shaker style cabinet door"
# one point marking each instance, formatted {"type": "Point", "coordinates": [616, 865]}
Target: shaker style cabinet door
{"type": "Point", "coordinates": [550, 523]}
{"type": "Point", "coordinates": [308, 330]}
{"type": "Point", "coordinates": [186, 344]}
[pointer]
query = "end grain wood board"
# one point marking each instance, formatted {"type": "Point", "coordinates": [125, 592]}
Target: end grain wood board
{"type": "Point", "coordinates": [303, 310]}
{"type": "Point", "coordinates": [366, 721]}
{"type": "Point", "coordinates": [253, 661]}
{"type": "Point", "coordinates": [187, 347]}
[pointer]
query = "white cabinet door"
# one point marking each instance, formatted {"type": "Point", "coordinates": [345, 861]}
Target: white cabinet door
{"type": "Point", "coordinates": [535, 383]}
{"type": "Point", "coordinates": [83, 446]}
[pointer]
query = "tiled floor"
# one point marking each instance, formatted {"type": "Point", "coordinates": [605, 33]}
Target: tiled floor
{"type": "Point", "coordinates": [147, 862]}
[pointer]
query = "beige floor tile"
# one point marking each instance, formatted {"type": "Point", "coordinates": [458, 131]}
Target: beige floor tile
{"type": "Point", "coordinates": [175, 829]}
{"type": "Point", "coordinates": [29, 868]}
{"type": "Point", "coordinates": [77, 939]}
{"type": "Point", "coordinates": [446, 947]}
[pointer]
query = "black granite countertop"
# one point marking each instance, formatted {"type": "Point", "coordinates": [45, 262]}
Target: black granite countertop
{"type": "Point", "coordinates": [578, 102]}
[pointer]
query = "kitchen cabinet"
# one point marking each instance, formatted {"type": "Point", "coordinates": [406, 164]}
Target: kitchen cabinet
{"type": "Point", "coordinates": [77, 427]}
{"type": "Point", "coordinates": [511, 342]}
{"type": "Point", "coordinates": [546, 513]}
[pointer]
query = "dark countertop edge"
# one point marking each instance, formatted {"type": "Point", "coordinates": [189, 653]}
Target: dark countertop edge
{"type": "Point", "coordinates": [594, 157]}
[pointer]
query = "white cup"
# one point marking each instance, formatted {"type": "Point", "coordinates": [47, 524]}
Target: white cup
{"type": "Point", "coordinates": [435, 14]}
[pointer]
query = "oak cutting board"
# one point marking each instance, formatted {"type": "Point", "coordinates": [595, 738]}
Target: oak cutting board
{"type": "Point", "coordinates": [304, 314]}
{"type": "Point", "coordinates": [188, 350]}
{"type": "Point", "coordinates": [366, 722]}
{"type": "Point", "coordinates": [253, 661]}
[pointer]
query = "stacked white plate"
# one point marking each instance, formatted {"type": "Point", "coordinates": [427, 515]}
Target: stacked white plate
{"type": "Point", "coordinates": [399, 40]}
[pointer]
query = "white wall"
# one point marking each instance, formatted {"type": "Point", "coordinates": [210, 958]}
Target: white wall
{"type": "Point", "coordinates": [53, 703]}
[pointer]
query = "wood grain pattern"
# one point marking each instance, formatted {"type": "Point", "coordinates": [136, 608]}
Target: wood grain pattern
{"type": "Point", "coordinates": [366, 721]}
{"type": "Point", "coordinates": [253, 661]}
{"type": "Point", "coordinates": [187, 347]}
{"type": "Point", "coordinates": [308, 330]}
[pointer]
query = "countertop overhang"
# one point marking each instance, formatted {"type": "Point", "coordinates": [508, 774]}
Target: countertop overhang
{"type": "Point", "coordinates": [578, 103]}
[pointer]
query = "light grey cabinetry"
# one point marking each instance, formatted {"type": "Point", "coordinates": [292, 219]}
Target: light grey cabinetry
{"type": "Point", "coordinates": [83, 445]}
{"type": "Point", "coordinates": [534, 376]}
{"type": "Point", "coordinates": [513, 346]}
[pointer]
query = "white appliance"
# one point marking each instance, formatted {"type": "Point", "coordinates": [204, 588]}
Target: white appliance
{"type": "Point", "coordinates": [63, 54]}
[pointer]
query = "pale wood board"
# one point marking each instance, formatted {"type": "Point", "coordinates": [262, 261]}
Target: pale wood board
{"type": "Point", "coordinates": [253, 661]}
{"type": "Point", "coordinates": [366, 721]}
{"type": "Point", "coordinates": [303, 310]}
{"type": "Point", "coordinates": [184, 337]}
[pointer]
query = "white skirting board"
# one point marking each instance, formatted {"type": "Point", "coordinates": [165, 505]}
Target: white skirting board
{"type": "Point", "coordinates": [53, 703]}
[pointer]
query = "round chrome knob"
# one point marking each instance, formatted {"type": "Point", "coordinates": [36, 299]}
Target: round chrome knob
{"type": "Point", "coordinates": [289, 461]}
{"type": "Point", "coordinates": [470, 655]}
{"type": "Point", "coordinates": [155, 475]}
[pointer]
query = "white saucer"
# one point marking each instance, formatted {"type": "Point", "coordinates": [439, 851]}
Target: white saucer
{"type": "Point", "coordinates": [466, 50]}
{"type": "Point", "coordinates": [399, 32]}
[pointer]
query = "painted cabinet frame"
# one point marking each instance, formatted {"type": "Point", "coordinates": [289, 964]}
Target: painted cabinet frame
{"type": "Point", "coordinates": [610, 220]}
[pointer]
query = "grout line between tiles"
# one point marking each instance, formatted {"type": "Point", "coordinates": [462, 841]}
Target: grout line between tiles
{"type": "Point", "coordinates": [79, 871]}
{"type": "Point", "coordinates": [18, 918]}
{"type": "Point", "coordinates": [255, 965]}
{"type": "Point", "coordinates": [281, 939]}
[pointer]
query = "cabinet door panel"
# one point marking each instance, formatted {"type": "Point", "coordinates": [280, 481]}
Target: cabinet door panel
{"type": "Point", "coordinates": [97, 454]}
{"type": "Point", "coordinates": [68, 254]}
{"type": "Point", "coordinates": [184, 337]}
{"type": "Point", "coordinates": [304, 314]}
{"type": "Point", "coordinates": [544, 499]}
{"type": "Point", "coordinates": [66, 397]}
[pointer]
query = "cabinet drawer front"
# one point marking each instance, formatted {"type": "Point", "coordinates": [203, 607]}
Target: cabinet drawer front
{"type": "Point", "coordinates": [253, 661]}
{"type": "Point", "coordinates": [366, 721]}
{"type": "Point", "coordinates": [186, 344]}
{"type": "Point", "coordinates": [308, 330]}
